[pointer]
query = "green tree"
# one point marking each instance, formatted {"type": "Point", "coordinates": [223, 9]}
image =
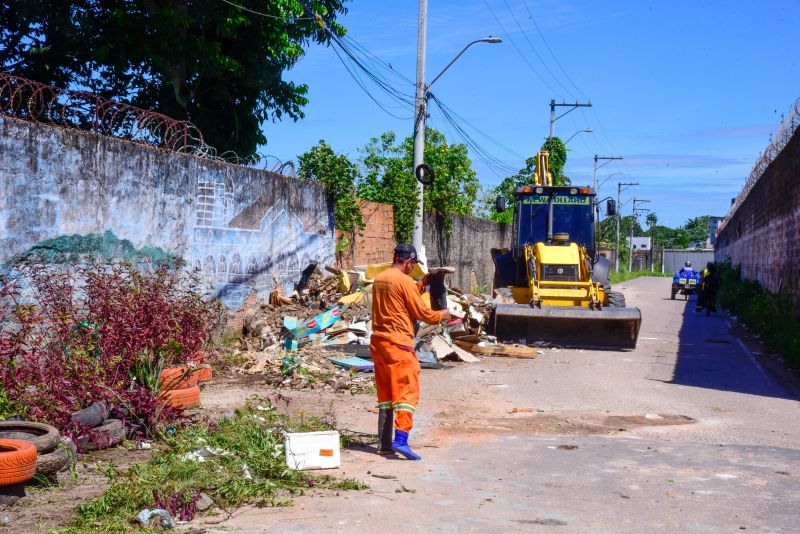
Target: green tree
{"type": "Point", "coordinates": [205, 61]}
{"type": "Point", "coordinates": [652, 219]}
{"type": "Point", "coordinates": [388, 177]}
{"type": "Point", "coordinates": [558, 160]}
{"type": "Point", "coordinates": [339, 174]}
{"type": "Point", "coordinates": [525, 176]}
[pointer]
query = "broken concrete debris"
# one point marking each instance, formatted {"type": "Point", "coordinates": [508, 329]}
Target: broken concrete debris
{"type": "Point", "coordinates": [307, 339]}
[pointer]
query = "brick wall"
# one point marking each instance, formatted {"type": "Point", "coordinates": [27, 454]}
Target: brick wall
{"type": "Point", "coordinates": [376, 243]}
{"type": "Point", "coordinates": [763, 234]}
{"type": "Point", "coordinates": [466, 247]}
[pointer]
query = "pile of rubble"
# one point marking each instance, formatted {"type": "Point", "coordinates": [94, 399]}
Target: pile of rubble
{"type": "Point", "coordinates": [319, 336]}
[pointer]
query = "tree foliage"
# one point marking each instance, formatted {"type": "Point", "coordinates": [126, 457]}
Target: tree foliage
{"type": "Point", "coordinates": [339, 174]}
{"type": "Point", "coordinates": [558, 160]}
{"type": "Point", "coordinates": [205, 61]}
{"type": "Point", "coordinates": [388, 177]}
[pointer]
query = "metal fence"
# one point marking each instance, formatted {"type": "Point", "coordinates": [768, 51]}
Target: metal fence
{"type": "Point", "coordinates": [36, 102]}
{"type": "Point", "coordinates": [674, 259]}
{"type": "Point", "coordinates": [778, 140]}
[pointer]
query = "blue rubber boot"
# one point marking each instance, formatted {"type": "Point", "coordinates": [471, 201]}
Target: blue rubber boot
{"type": "Point", "coordinates": [400, 445]}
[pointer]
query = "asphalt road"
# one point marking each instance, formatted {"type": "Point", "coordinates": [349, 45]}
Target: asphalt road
{"type": "Point", "coordinates": [694, 431]}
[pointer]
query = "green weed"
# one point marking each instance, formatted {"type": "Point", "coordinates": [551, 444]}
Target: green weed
{"type": "Point", "coordinates": [771, 316]}
{"type": "Point", "coordinates": [253, 437]}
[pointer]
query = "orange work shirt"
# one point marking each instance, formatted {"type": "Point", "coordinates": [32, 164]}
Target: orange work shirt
{"type": "Point", "coordinates": [396, 304]}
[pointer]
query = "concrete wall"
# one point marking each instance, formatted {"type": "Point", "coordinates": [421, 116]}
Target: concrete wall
{"type": "Point", "coordinates": [78, 193]}
{"type": "Point", "coordinates": [763, 234]}
{"type": "Point", "coordinates": [466, 248]}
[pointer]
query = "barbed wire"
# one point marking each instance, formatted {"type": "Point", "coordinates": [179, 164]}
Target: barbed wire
{"type": "Point", "coordinates": [778, 140]}
{"type": "Point", "coordinates": [37, 102]}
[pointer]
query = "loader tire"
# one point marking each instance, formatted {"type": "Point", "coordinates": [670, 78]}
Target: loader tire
{"type": "Point", "coordinates": [17, 461]}
{"type": "Point", "coordinates": [616, 299]}
{"type": "Point", "coordinates": [44, 437]}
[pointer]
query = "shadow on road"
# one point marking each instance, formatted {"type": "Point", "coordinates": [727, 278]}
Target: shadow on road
{"type": "Point", "coordinates": [709, 356]}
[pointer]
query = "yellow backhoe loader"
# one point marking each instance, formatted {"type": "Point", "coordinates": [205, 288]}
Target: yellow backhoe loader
{"type": "Point", "coordinates": [553, 273]}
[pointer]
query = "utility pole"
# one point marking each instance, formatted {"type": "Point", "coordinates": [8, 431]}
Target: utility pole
{"type": "Point", "coordinates": [420, 112]}
{"type": "Point", "coordinates": [553, 117]}
{"type": "Point", "coordinates": [635, 217]}
{"type": "Point", "coordinates": [619, 209]}
{"type": "Point", "coordinates": [609, 160]}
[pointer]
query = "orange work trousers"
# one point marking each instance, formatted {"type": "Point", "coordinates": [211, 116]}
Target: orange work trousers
{"type": "Point", "coordinates": [396, 379]}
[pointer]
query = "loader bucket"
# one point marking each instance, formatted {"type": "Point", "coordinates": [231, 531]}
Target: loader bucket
{"type": "Point", "coordinates": [568, 326]}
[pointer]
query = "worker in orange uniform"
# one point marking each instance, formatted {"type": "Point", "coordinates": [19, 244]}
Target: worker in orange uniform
{"type": "Point", "coordinates": [396, 304]}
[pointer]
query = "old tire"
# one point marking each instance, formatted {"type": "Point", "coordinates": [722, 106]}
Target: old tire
{"type": "Point", "coordinates": [50, 464]}
{"type": "Point", "coordinates": [616, 299]}
{"type": "Point", "coordinates": [177, 378]}
{"type": "Point", "coordinates": [17, 461]}
{"type": "Point", "coordinates": [92, 416]}
{"type": "Point", "coordinates": [44, 437]}
{"type": "Point", "coordinates": [109, 434]}
{"type": "Point", "coordinates": [204, 373]}
{"type": "Point", "coordinates": [182, 398]}
{"type": "Point", "coordinates": [673, 295]}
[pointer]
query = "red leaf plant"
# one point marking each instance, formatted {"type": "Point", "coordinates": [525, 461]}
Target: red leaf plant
{"type": "Point", "coordinates": [72, 335]}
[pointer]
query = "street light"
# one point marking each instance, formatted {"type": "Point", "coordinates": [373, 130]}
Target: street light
{"type": "Point", "coordinates": [421, 115]}
{"type": "Point", "coordinates": [587, 130]}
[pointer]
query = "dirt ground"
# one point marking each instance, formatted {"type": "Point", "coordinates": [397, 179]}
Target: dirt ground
{"type": "Point", "coordinates": [699, 407]}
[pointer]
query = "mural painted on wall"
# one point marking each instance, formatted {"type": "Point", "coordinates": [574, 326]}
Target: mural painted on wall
{"type": "Point", "coordinates": [78, 248]}
{"type": "Point", "coordinates": [253, 250]}
{"type": "Point", "coordinates": [94, 198]}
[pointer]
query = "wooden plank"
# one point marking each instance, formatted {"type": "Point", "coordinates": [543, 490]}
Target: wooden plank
{"type": "Point", "coordinates": [508, 351]}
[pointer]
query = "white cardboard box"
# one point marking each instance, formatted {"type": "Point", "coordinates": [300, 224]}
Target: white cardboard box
{"type": "Point", "coordinates": [313, 450]}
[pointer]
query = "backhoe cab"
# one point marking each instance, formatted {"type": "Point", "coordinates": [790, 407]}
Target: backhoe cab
{"type": "Point", "coordinates": [553, 273]}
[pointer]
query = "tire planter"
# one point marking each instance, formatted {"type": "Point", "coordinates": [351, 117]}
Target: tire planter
{"type": "Point", "coordinates": [17, 461]}
{"type": "Point", "coordinates": [92, 416]}
{"type": "Point", "coordinates": [182, 398]}
{"type": "Point", "coordinates": [204, 373]}
{"type": "Point", "coordinates": [178, 378]}
{"type": "Point", "coordinates": [44, 437]}
{"type": "Point", "coordinates": [107, 435]}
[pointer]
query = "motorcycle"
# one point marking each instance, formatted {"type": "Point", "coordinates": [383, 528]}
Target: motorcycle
{"type": "Point", "coordinates": [685, 284]}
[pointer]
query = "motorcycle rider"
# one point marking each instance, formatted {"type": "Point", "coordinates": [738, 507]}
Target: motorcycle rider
{"type": "Point", "coordinates": [687, 269]}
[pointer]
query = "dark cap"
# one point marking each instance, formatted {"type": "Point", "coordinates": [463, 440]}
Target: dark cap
{"type": "Point", "coordinates": [404, 251]}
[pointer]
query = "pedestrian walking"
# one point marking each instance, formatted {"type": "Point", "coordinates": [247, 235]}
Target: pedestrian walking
{"type": "Point", "coordinates": [711, 283]}
{"type": "Point", "coordinates": [396, 304]}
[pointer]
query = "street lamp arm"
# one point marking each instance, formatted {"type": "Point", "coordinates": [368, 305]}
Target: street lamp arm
{"type": "Point", "coordinates": [484, 40]}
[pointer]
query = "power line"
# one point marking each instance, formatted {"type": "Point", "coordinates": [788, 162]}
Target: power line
{"type": "Point", "coordinates": [517, 48]}
{"type": "Point", "coordinates": [525, 35]}
{"type": "Point", "coordinates": [497, 166]}
{"type": "Point", "coordinates": [266, 15]}
{"type": "Point", "coordinates": [536, 25]}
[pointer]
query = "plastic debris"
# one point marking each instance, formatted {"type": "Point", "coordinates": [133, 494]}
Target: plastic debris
{"type": "Point", "coordinates": [156, 517]}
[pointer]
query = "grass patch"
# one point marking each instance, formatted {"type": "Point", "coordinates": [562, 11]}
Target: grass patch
{"type": "Point", "coordinates": [771, 316]}
{"type": "Point", "coordinates": [622, 276]}
{"type": "Point", "coordinates": [253, 437]}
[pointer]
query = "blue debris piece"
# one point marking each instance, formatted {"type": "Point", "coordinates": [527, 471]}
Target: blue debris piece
{"type": "Point", "coordinates": [354, 363]}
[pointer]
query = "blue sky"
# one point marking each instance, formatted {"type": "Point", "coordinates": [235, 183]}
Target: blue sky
{"type": "Point", "coordinates": [687, 92]}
